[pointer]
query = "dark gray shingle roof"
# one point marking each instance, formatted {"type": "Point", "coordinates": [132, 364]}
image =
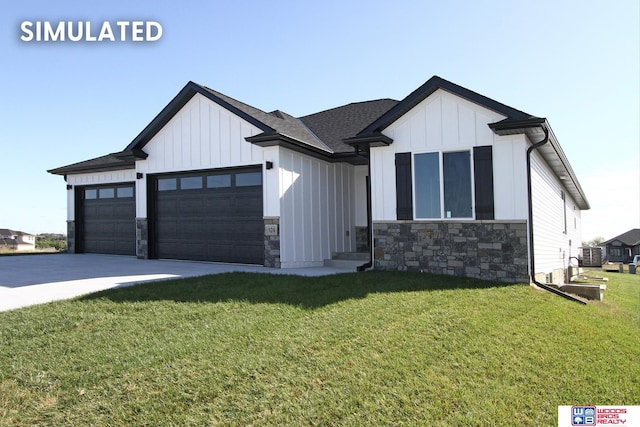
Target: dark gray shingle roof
{"type": "Point", "coordinates": [630, 238]}
{"type": "Point", "coordinates": [323, 133]}
{"type": "Point", "coordinates": [102, 163]}
{"type": "Point", "coordinates": [280, 122]}
{"type": "Point", "coordinates": [334, 125]}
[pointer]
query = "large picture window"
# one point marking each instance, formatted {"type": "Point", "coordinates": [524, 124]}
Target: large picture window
{"type": "Point", "coordinates": [443, 185]}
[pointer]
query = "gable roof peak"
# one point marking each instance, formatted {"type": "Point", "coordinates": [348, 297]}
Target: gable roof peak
{"type": "Point", "coordinates": [428, 88]}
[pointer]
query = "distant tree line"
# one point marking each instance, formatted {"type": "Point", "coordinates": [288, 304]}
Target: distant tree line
{"type": "Point", "coordinates": [55, 241]}
{"type": "Point", "coordinates": [594, 242]}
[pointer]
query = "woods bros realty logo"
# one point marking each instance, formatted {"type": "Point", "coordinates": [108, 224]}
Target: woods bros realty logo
{"type": "Point", "coordinates": [598, 416]}
{"type": "Point", "coordinates": [85, 31]}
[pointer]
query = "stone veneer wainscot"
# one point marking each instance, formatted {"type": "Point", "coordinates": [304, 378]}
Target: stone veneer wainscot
{"type": "Point", "coordinates": [490, 250]}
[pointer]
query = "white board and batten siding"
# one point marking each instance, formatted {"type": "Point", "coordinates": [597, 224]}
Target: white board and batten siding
{"type": "Point", "coordinates": [95, 178]}
{"type": "Point", "coordinates": [510, 178]}
{"type": "Point", "coordinates": [317, 209]}
{"type": "Point", "coordinates": [315, 200]}
{"type": "Point", "coordinates": [202, 135]}
{"type": "Point", "coordinates": [360, 197]}
{"type": "Point", "coordinates": [446, 122]}
{"type": "Point", "coordinates": [552, 245]}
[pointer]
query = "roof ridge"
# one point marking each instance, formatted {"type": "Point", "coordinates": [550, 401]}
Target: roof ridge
{"type": "Point", "coordinates": [222, 95]}
{"type": "Point", "coordinates": [329, 149]}
{"type": "Point", "coordinates": [289, 118]}
{"type": "Point", "coordinates": [347, 105]}
{"type": "Point", "coordinates": [281, 115]}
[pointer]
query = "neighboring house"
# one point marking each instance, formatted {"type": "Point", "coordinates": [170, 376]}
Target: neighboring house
{"type": "Point", "coordinates": [17, 240]}
{"type": "Point", "coordinates": [624, 247]}
{"type": "Point", "coordinates": [436, 182]}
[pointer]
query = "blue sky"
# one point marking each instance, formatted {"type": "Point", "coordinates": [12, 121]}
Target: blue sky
{"type": "Point", "coordinates": [577, 63]}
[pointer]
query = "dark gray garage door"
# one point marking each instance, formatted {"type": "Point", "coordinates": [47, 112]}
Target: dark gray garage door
{"type": "Point", "coordinates": [107, 220]}
{"type": "Point", "coordinates": [212, 216]}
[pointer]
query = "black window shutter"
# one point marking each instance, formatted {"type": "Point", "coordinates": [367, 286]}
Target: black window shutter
{"type": "Point", "coordinates": [404, 186]}
{"type": "Point", "coordinates": [483, 177]}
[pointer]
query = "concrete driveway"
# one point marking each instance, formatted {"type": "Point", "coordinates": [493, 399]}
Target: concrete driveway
{"type": "Point", "coordinates": [37, 279]}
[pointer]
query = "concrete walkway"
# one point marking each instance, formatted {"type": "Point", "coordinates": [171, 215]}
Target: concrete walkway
{"type": "Point", "coordinates": [37, 279]}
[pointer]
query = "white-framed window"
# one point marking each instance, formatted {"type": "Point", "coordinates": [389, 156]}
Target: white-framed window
{"type": "Point", "coordinates": [443, 185]}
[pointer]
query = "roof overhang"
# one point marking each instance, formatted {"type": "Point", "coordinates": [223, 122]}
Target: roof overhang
{"type": "Point", "coordinates": [276, 139]}
{"type": "Point", "coordinates": [551, 153]}
{"type": "Point", "coordinates": [110, 162]}
{"type": "Point", "coordinates": [376, 140]}
{"type": "Point", "coordinates": [131, 155]}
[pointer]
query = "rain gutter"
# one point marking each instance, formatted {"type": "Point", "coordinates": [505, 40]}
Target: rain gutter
{"type": "Point", "coordinates": [369, 263]}
{"type": "Point", "coordinates": [532, 257]}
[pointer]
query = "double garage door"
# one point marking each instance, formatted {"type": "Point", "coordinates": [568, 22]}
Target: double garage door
{"type": "Point", "coordinates": [211, 216]}
{"type": "Point", "coordinates": [206, 216]}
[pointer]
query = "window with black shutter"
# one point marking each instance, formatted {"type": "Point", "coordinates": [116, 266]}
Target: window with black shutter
{"type": "Point", "coordinates": [404, 186]}
{"type": "Point", "coordinates": [444, 188]}
{"type": "Point", "coordinates": [483, 178]}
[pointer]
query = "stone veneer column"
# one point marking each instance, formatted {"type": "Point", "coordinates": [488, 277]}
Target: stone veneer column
{"type": "Point", "coordinates": [272, 242]}
{"type": "Point", "coordinates": [71, 237]}
{"type": "Point", "coordinates": [142, 238]}
{"type": "Point", "coordinates": [490, 250]}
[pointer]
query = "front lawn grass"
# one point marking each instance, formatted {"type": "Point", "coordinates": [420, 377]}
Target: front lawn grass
{"type": "Point", "coordinates": [376, 348]}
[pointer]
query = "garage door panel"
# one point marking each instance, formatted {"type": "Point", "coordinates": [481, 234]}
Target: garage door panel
{"type": "Point", "coordinates": [121, 211]}
{"type": "Point", "coordinates": [220, 205]}
{"type": "Point", "coordinates": [167, 205]}
{"type": "Point", "coordinates": [244, 254]}
{"type": "Point", "coordinates": [168, 229]}
{"type": "Point", "coordinates": [246, 211]}
{"type": "Point", "coordinates": [191, 204]}
{"type": "Point", "coordinates": [218, 222]}
{"type": "Point", "coordinates": [192, 249]}
{"type": "Point", "coordinates": [107, 221]}
{"type": "Point", "coordinates": [121, 228]}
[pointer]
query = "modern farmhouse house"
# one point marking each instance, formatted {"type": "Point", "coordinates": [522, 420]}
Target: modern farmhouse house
{"type": "Point", "coordinates": [445, 181]}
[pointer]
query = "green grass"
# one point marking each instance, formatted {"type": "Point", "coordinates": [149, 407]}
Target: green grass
{"type": "Point", "coordinates": [365, 349]}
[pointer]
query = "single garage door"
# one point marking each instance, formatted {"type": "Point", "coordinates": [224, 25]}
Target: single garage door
{"type": "Point", "coordinates": [108, 224]}
{"type": "Point", "coordinates": [210, 216]}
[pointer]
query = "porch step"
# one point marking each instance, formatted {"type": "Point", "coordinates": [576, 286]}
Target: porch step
{"type": "Point", "coordinates": [347, 260]}
{"type": "Point", "coordinates": [351, 256]}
